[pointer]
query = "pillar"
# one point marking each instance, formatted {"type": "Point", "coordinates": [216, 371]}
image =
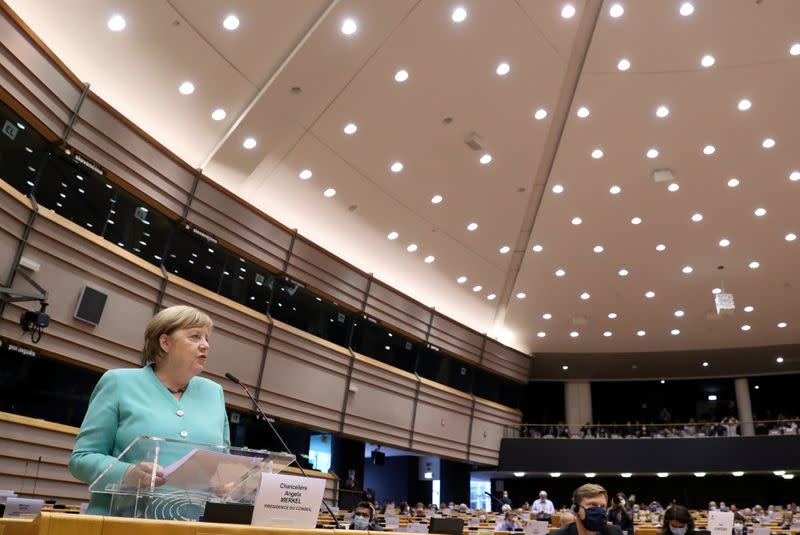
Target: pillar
{"type": "Point", "coordinates": [578, 404]}
{"type": "Point", "coordinates": [742, 388]}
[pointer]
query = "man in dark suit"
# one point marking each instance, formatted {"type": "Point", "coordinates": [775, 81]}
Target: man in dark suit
{"type": "Point", "coordinates": [589, 505]}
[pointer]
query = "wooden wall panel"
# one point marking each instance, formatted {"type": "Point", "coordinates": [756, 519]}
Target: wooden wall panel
{"type": "Point", "coordinates": [488, 423]}
{"type": "Point", "coordinates": [506, 361]}
{"type": "Point", "coordinates": [456, 339]}
{"type": "Point", "coordinates": [442, 420]}
{"type": "Point", "coordinates": [14, 213]}
{"type": "Point", "coordinates": [397, 310]}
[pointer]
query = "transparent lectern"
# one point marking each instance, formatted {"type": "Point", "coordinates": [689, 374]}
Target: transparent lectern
{"type": "Point", "coordinates": [193, 474]}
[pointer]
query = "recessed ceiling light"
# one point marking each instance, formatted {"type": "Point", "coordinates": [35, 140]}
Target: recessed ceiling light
{"type": "Point", "coordinates": [623, 65]}
{"type": "Point", "coordinates": [436, 199]}
{"type": "Point", "coordinates": [459, 14]}
{"type": "Point", "coordinates": [477, 288]}
{"type": "Point", "coordinates": [614, 190]}
{"type": "Point", "coordinates": [350, 129]}
{"type": "Point", "coordinates": [673, 187]}
{"type": "Point", "coordinates": [598, 249]}
{"type": "Point", "coordinates": [472, 226]}
{"type": "Point", "coordinates": [393, 235]}
{"type": "Point", "coordinates": [733, 182]}
{"type": "Point", "coordinates": [768, 143]}
{"type": "Point", "coordinates": [597, 154]}
{"type": "Point", "coordinates": [541, 334]}
{"type": "Point", "coordinates": [663, 381]}
{"type": "Point", "coordinates": [608, 334]}
{"type": "Point", "coordinates": [687, 269]}
{"type": "Point", "coordinates": [401, 75]}
{"type": "Point", "coordinates": [661, 247]}
{"type": "Point", "coordinates": [675, 332]}
{"type": "Point", "coordinates": [760, 212]}
{"type": "Point", "coordinates": [574, 334]}
{"type": "Point", "coordinates": [116, 23]}
{"type": "Point", "coordinates": [724, 242]}
{"type": "Point", "coordinates": [186, 88]}
{"type": "Point", "coordinates": [568, 11]}
{"type": "Point", "coordinates": [330, 192]}
{"type": "Point", "coordinates": [486, 158]}
{"type": "Point", "coordinates": [794, 176]}
{"type": "Point", "coordinates": [779, 360]}
{"type": "Point", "coordinates": [652, 153]}
{"type": "Point", "coordinates": [636, 221]}
{"type": "Point", "coordinates": [790, 237]}
{"type": "Point", "coordinates": [249, 143]}
{"type": "Point", "coordinates": [521, 295]}
{"type": "Point", "coordinates": [794, 50]}
{"type": "Point", "coordinates": [626, 474]}
{"type": "Point", "coordinates": [679, 313]}
{"type": "Point", "coordinates": [686, 9]}
{"type": "Point", "coordinates": [231, 22]}
{"type": "Point", "coordinates": [540, 114]}
{"type": "Point", "coordinates": [709, 149]}
{"type": "Point", "coordinates": [577, 220]}
{"type": "Point", "coordinates": [744, 104]}
{"type": "Point", "coordinates": [745, 327]}
{"type": "Point", "coordinates": [429, 259]}
{"type": "Point", "coordinates": [612, 315]}
{"type": "Point", "coordinates": [412, 247]}
{"type": "Point", "coordinates": [583, 112]}
{"type": "Point", "coordinates": [616, 10]}
{"type": "Point", "coordinates": [753, 265]}
{"type": "Point", "coordinates": [349, 27]}
{"type": "Point", "coordinates": [396, 167]}
{"type": "Point", "coordinates": [503, 69]}
{"type": "Point", "coordinates": [640, 333]}
{"type": "Point", "coordinates": [558, 188]}
{"type": "Point", "coordinates": [748, 308]}
{"type": "Point", "coordinates": [218, 114]}
{"type": "Point", "coordinates": [662, 111]}
{"type": "Point", "coordinates": [739, 474]}
{"type": "Point", "coordinates": [705, 364]}
{"type": "Point", "coordinates": [716, 291]}
{"type": "Point", "coordinates": [461, 280]}
{"type": "Point", "coordinates": [547, 316]}
{"type": "Point", "coordinates": [560, 272]}
{"type": "Point", "coordinates": [782, 325]}
{"type": "Point", "coordinates": [623, 272]}
{"type": "Point", "coordinates": [537, 248]}
{"type": "Point", "coordinates": [491, 297]}
{"type": "Point", "coordinates": [305, 174]}
{"type": "Point", "coordinates": [650, 294]}
{"type": "Point", "coordinates": [697, 217]}
{"type": "Point", "coordinates": [707, 61]}
{"type": "Point", "coordinates": [504, 249]}
{"type": "Point", "coordinates": [585, 296]}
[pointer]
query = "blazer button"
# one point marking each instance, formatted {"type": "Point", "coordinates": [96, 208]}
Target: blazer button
{"type": "Point", "coordinates": [180, 412]}
{"type": "Point", "coordinates": [184, 434]}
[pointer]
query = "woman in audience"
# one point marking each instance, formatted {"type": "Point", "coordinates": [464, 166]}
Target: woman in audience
{"type": "Point", "coordinates": [618, 514]}
{"type": "Point", "coordinates": [677, 521]}
{"type": "Point", "coordinates": [165, 398]}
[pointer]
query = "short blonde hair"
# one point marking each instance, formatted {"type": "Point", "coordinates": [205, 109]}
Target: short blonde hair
{"type": "Point", "coordinates": [589, 490]}
{"type": "Point", "coordinates": [167, 322]}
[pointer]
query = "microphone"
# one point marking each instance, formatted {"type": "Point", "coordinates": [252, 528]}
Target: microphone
{"type": "Point", "coordinates": [280, 439]}
{"type": "Point", "coordinates": [495, 498]}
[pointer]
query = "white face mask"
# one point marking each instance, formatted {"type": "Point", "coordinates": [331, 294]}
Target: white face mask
{"type": "Point", "coordinates": [738, 527]}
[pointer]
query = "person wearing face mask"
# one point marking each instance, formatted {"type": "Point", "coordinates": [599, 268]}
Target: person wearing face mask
{"type": "Point", "coordinates": [364, 518]}
{"type": "Point", "coordinates": [542, 508]}
{"type": "Point", "coordinates": [738, 524]}
{"type": "Point", "coordinates": [677, 521]}
{"type": "Point", "coordinates": [509, 523]}
{"type": "Point", "coordinates": [589, 505]}
{"type": "Point", "coordinates": [618, 515]}
{"type": "Point", "coordinates": [505, 500]}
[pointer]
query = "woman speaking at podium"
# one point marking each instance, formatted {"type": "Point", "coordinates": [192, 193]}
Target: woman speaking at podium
{"type": "Point", "coordinates": [165, 399]}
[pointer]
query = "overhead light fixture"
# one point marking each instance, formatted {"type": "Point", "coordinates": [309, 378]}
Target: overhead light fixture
{"type": "Point", "coordinates": [249, 143]}
{"type": "Point", "coordinates": [558, 188]}
{"type": "Point", "coordinates": [555, 474]}
{"type": "Point", "coordinates": [583, 112]}
{"type": "Point", "coordinates": [697, 217]}
{"type": "Point", "coordinates": [675, 332]}
{"type": "Point", "coordinates": [597, 154]}
{"type": "Point", "coordinates": [392, 235]}
{"type": "Point", "coordinates": [636, 221]}
{"type": "Point", "coordinates": [748, 308]}
{"type": "Point", "coordinates": [626, 474]}
{"type": "Point", "coordinates": [349, 27]}
{"type": "Point", "coordinates": [745, 327]}
{"type": "Point", "coordinates": [472, 226]}
{"type": "Point", "coordinates": [186, 88]}
{"type": "Point", "coordinates": [662, 474]}
{"type": "Point", "coordinates": [794, 50]}
{"type": "Point", "coordinates": [641, 333]}
{"type": "Point", "coordinates": [519, 474]}
{"type": "Point", "coordinates": [707, 61]}
{"type": "Point", "coordinates": [768, 143]}
{"type": "Point", "coordinates": [782, 325]}
{"type": "Point", "coordinates": [608, 334]}
{"type": "Point", "coordinates": [779, 472]}
{"type": "Point", "coordinates": [521, 295]}
{"type": "Point", "coordinates": [541, 334]}
{"type": "Point", "coordinates": [565, 367]}
{"type": "Point", "coordinates": [540, 114]}
{"type": "Point", "coordinates": [116, 23]}
{"type": "Point", "coordinates": [788, 476]}
{"type": "Point", "coordinates": [614, 190]}
{"type": "Point", "coordinates": [790, 237]}
{"type": "Point", "coordinates": [477, 288]}
{"type": "Point", "coordinates": [305, 174]}
{"type": "Point", "coordinates": [350, 129]}
{"type": "Point", "coordinates": [231, 22]}
{"type": "Point", "coordinates": [661, 247]}
{"type": "Point", "coordinates": [679, 313]}
{"type": "Point", "coordinates": [662, 111]}
{"type": "Point", "coordinates": [568, 11]}
{"type": "Point", "coordinates": [505, 249]}
{"type": "Point", "coordinates": [429, 259]}
{"type": "Point", "coordinates": [699, 474]}
{"type": "Point", "coordinates": [560, 272]}
{"type": "Point", "coordinates": [547, 316]}
{"type": "Point", "coordinates": [218, 114]}
{"type": "Point", "coordinates": [623, 64]}
{"type": "Point", "coordinates": [737, 474]}
{"type": "Point", "coordinates": [650, 294]}
{"type": "Point", "coordinates": [412, 248]}
{"type": "Point", "coordinates": [461, 280]}
{"type": "Point", "coordinates": [486, 158]}
{"type": "Point", "coordinates": [652, 153]}
{"type": "Point", "coordinates": [716, 291]}
{"type": "Point", "coordinates": [673, 187]}
{"type": "Point", "coordinates": [712, 397]}
{"type": "Point", "coordinates": [537, 248]}
{"type": "Point", "coordinates": [503, 69]}
{"type": "Point", "coordinates": [401, 76]}
{"type": "Point", "coordinates": [576, 221]}
{"type": "Point", "coordinates": [612, 315]}
{"type": "Point", "coordinates": [744, 104]}
{"type": "Point", "coordinates": [794, 176]}
{"type": "Point", "coordinates": [779, 360]}
{"type": "Point", "coordinates": [396, 167]}
{"type": "Point", "coordinates": [585, 296]}
{"type": "Point", "coordinates": [760, 212]}
{"type": "Point", "coordinates": [687, 8]}
{"type": "Point", "coordinates": [709, 150]}
{"type": "Point", "coordinates": [615, 11]}
{"type": "Point", "coordinates": [574, 334]}
{"type": "Point", "coordinates": [590, 474]}
{"type": "Point", "coordinates": [330, 192]}
{"type": "Point", "coordinates": [753, 265]}
{"type": "Point", "coordinates": [733, 182]}
{"type": "Point", "coordinates": [459, 14]}
{"type": "Point", "coordinates": [598, 249]}
{"type": "Point", "coordinates": [705, 364]}
{"type": "Point", "coordinates": [724, 242]}
{"type": "Point", "coordinates": [687, 269]}
{"type": "Point", "coordinates": [623, 272]}
{"type": "Point", "coordinates": [436, 199]}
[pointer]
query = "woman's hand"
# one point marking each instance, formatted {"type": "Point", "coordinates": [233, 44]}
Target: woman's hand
{"type": "Point", "coordinates": [140, 475]}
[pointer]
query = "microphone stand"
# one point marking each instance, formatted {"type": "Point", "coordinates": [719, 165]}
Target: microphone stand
{"type": "Point", "coordinates": [275, 432]}
{"type": "Point", "coordinates": [495, 498]}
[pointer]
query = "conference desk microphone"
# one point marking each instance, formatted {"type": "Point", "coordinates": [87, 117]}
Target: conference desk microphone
{"type": "Point", "coordinates": [280, 438]}
{"type": "Point", "coordinates": [495, 498]}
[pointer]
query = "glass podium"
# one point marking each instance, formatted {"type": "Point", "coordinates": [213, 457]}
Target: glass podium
{"type": "Point", "coordinates": [169, 479]}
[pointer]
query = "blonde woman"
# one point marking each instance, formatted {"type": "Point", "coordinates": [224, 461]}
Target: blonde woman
{"type": "Point", "coordinates": [165, 398]}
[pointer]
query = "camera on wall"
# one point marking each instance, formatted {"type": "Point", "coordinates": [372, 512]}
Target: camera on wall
{"type": "Point", "coordinates": [35, 322]}
{"type": "Point", "coordinates": [32, 322]}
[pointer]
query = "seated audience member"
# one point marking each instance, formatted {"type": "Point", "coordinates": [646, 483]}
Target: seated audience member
{"type": "Point", "coordinates": [566, 519]}
{"type": "Point", "coordinates": [712, 506]}
{"type": "Point", "coordinates": [619, 516]}
{"type": "Point", "coordinates": [526, 506]}
{"type": "Point", "coordinates": [505, 500]}
{"type": "Point", "coordinates": [691, 429]}
{"type": "Point", "coordinates": [738, 524]}
{"type": "Point", "coordinates": [542, 508]}
{"type": "Point", "coordinates": [586, 430]}
{"type": "Point", "coordinates": [404, 509]}
{"type": "Point", "coordinates": [677, 521]}
{"type": "Point", "coordinates": [364, 518]}
{"type": "Point", "coordinates": [724, 508]}
{"type": "Point", "coordinates": [509, 523]}
{"type": "Point", "coordinates": [463, 509]}
{"type": "Point", "coordinates": [589, 505]}
{"type": "Point", "coordinates": [655, 507]}
{"type": "Point", "coordinates": [631, 501]}
{"type": "Point", "coordinates": [350, 483]}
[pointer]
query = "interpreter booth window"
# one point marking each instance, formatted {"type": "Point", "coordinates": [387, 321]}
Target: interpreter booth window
{"type": "Point", "coordinates": [775, 404]}
{"type": "Point", "coordinates": [372, 339]}
{"type": "Point", "coordinates": [43, 387]}
{"type": "Point", "coordinates": [440, 367]}
{"type": "Point", "coordinates": [543, 403]}
{"type": "Point", "coordinates": [247, 283]}
{"type": "Point", "coordinates": [498, 389]}
{"type": "Point", "coordinates": [192, 256]}
{"type": "Point", "coordinates": [319, 452]}
{"type": "Point", "coordinates": [294, 304]}
{"type": "Point", "coordinates": [23, 151]}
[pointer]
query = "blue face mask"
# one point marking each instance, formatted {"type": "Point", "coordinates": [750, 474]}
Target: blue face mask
{"type": "Point", "coordinates": [677, 531]}
{"type": "Point", "coordinates": [596, 518]}
{"type": "Point", "coordinates": [360, 522]}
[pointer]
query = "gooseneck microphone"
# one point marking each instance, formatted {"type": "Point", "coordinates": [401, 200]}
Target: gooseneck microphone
{"type": "Point", "coordinates": [275, 432]}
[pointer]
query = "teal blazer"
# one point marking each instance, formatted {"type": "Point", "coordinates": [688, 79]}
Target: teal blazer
{"type": "Point", "coordinates": [127, 403]}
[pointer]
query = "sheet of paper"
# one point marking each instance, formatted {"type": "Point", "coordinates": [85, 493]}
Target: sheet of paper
{"type": "Point", "coordinates": [201, 469]}
{"type": "Point", "coordinates": [537, 528]}
{"type": "Point", "coordinates": [720, 523]}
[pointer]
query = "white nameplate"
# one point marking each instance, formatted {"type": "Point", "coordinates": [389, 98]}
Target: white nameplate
{"type": "Point", "coordinates": [22, 507]}
{"type": "Point", "coordinates": [720, 523]}
{"type": "Point", "coordinates": [288, 501]}
{"type": "Point", "coordinates": [537, 528]}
